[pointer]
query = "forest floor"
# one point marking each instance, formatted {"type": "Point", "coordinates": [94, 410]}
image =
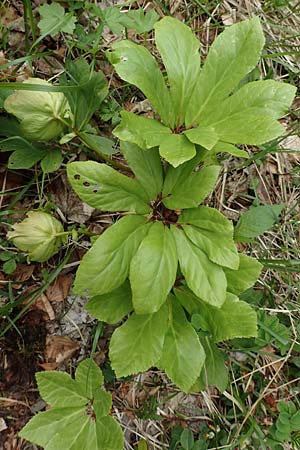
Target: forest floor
{"type": "Point", "coordinates": [49, 328]}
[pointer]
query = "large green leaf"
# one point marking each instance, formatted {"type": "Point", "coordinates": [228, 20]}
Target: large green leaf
{"type": "Point", "coordinates": [153, 269]}
{"type": "Point", "coordinates": [256, 221]}
{"type": "Point", "coordinates": [179, 49]}
{"type": "Point", "coordinates": [102, 187]}
{"type": "Point", "coordinates": [206, 279]}
{"type": "Point", "coordinates": [137, 345]}
{"type": "Point", "coordinates": [146, 166]}
{"type": "Point", "coordinates": [113, 306]}
{"type": "Point", "coordinates": [214, 372]}
{"type": "Point", "coordinates": [84, 425]}
{"type": "Point", "coordinates": [209, 230]}
{"type": "Point", "coordinates": [234, 319]}
{"type": "Point", "coordinates": [183, 355]}
{"type": "Point", "coordinates": [246, 275]}
{"type": "Point", "coordinates": [176, 149]}
{"type": "Point", "coordinates": [139, 130]}
{"type": "Point", "coordinates": [247, 128]}
{"type": "Point", "coordinates": [106, 265]}
{"type": "Point", "coordinates": [231, 57]}
{"type": "Point", "coordinates": [185, 188]}
{"type": "Point", "coordinates": [134, 64]}
{"type": "Point", "coordinates": [263, 98]}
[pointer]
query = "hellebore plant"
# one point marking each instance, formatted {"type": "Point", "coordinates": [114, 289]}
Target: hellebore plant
{"type": "Point", "coordinates": [211, 106]}
{"type": "Point", "coordinates": [167, 255]}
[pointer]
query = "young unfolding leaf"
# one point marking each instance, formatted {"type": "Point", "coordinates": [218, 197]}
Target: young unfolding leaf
{"type": "Point", "coordinates": [234, 318]}
{"type": "Point", "coordinates": [79, 417]}
{"type": "Point", "coordinates": [106, 265]}
{"type": "Point", "coordinates": [209, 230]}
{"type": "Point", "coordinates": [246, 275]}
{"type": "Point", "coordinates": [183, 355]}
{"type": "Point", "coordinates": [206, 279]}
{"type": "Point", "coordinates": [137, 345]}
{"type": "Point", "coordinates": [153, 269]}
{"type": "Point", "coordinates": [102, 187]}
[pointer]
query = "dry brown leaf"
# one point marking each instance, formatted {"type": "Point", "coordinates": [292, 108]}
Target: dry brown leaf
{"type": "Point", "coordinates": [59, 349]}
{"type": "Point", "coordinates": [59, 290]}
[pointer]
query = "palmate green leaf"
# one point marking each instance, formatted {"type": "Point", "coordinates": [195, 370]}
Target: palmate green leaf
{"type": "Point", "coordinates": [206, 279]}
{"type": "Point", "coordinates": [214, 372]}
{"type": "Point", "coordinates": [54, 20]}
{"type": "Point", "coordinates": [176, 149]}
{"type": "Point", "coordinates": [137, 345]}
{"type": "Point", "coordinates": [212, 232]}
{"type": "Point", "coordinates": [106, 265]}
{"type": "Point", "coordinates": [146, 166]}
{"type": "Point", "coordinates": [71, 429]}
{"type": "Point", "coordinates": [135, 64]}
{"type": "Point", "coordinates": [256, 221]}
{"type": "Point", "coordinates": [231, 57]}
{"type": "Point", "coordinates": [247, 274]}
{"type": "Point", "coordinates": [233, 319]}
{"type": "Point", "coordinates": [141, 21]}
{"type": "Point", "coordinates": [139, 130]}
{"type": "Point", "coordinates": [179, 49]}
{"type": "Point", "coordinates": [186, 188]}
{"type": "Point", "coordinates": [88, 98]}
{"type": "Point", "coordinates": [153, 269]}
{"type": "Point", "coordinates": [102, 187]}
{"type": "Point", "coordinates": [183, 355]}
{"type": "Point", "coordinates": [113, 306]}
{"type": "Point", "coordinates": [82, 426]}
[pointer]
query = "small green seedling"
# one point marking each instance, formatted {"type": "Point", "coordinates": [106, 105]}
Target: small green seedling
{"type": "Point", "coordinates": [79, 415]}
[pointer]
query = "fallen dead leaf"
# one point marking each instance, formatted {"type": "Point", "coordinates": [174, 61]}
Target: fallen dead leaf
{"type": "Point", "coordinates": [59, 290]}
{"type": "Point", "coordinates": [59, 349]}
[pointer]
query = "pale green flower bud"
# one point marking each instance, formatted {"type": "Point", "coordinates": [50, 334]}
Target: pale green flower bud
{"type": "Point", "coordinates": [39, 235]}
{"type": "Point", "coordinates": [38, 111]}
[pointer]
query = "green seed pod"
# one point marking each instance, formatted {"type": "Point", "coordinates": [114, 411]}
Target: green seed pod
{"type": "Point", "coordinates": [40, 112]}
{"type": "Point", "coordinates": [39, 235]}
